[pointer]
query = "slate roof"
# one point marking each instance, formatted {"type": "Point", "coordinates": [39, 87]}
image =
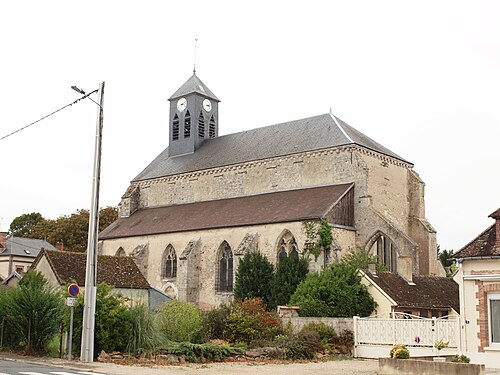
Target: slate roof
{"type": "Point", "coordinates": [481, 246]}
{"type": "Point", "coordinates": [283, 206]}
{"type": "Point", "coordinates": [429, 292]}
{"type": "Point", "coordinates": [121, 272]}
{"type": "Point", "coordinates": [25, 247]}
{"type": "Point", "coordinates": [194, 85]}
{"type": "Point", "coordinates": [309, 134]}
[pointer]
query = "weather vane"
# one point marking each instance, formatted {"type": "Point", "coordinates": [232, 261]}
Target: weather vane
{"type": "Point", "coordinates": [195, 47]}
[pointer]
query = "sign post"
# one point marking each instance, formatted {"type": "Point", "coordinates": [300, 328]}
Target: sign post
{"type": "Point", "coordinates": [73, 291]}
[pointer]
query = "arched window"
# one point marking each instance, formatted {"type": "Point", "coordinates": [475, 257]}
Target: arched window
{"type": "Point", "coordinates": [387, 253]}
{"type": "Point", "coordinates": [175, 128]}
{"type": "Point", "coordinates": [201, 126]}
{"type": "Point", "coordinates": [211, 127]}
{"type": "Point", "coordinates": [120, 252]}
{"type": "Point", "coordinates": [225, 268]}
{"type": "Point", "coordinates": [187, 125]}
{"type": "Point", "coordinates": [287, 246]}
{"type": "Point", "coordinates": [169, 263]}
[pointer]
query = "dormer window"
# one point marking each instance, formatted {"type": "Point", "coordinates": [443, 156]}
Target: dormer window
{"type": "Point", "coordinates": [211, 128]}
{"type": "Point", "coordinates": [187, 125]}
{"type": "Point", "coordinates": [175, 128]}
{"type": "Point", "coordinates": [201, 126]}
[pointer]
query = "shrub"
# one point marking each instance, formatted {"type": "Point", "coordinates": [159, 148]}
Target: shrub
{"type": "Point", "coordinates": [216, 321]}
{"type": "Point", "coordinates": [32, 312]}
{"type": "Point", "coordinates": [460, 358]}
{"type": "Point", "coordinates": [289, 274]}
{"type": "Point", "coordinates": [200, 352]}
{"type": "Point", "coordinates": [250, 322]}
{"type": "Point", "coordinates": [337, 291]}
{"type": "Point", "coordinates": [253, 277]}
{"type": "Point", "coordinates": [112, 321]}
{"type": "Point", "coordinates": [325, 332]}
{"type": "Point", "coordinates": [181, 321]}
{"type": "Point", "coordinates": [300, 346]}
{"type": "Point", "coordinates": [344, 342]}
{"type": "Point", "coordinates": [144, 335]}
{"type": "Point", "coordinates": [399, 351]}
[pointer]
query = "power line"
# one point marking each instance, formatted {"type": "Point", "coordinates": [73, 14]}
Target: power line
{"type": "Point", "coordinates": [50, 114]}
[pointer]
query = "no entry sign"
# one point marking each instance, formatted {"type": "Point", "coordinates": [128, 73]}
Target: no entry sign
{"type": "Point", "coordinates": [73, 290]}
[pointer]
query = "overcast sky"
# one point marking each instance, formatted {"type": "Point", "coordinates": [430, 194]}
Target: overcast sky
{"type": "Point", "coordinates": [422, 78]}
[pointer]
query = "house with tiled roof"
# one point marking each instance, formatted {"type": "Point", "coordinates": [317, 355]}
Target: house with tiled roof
{"type": "Point", "coordinates": [422, 296]}
{"type": "Point", "coordinates": [479, 279]}
{"type": "Point", "coordinates": [189, 216]}
{"type": "Point", "coordinates": [17, 253]}
{"type": "Point", "coordinates": [63, 268]}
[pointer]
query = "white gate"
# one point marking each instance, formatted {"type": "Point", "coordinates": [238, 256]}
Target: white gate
{"type": "Point", "coordinates": [374, 337]}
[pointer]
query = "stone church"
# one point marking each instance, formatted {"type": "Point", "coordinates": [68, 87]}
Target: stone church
{"type": "Point", "coordinates": [206, 200]}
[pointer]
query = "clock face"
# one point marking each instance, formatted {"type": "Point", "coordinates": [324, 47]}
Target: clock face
{"type": "Point", "coordinates": [207, 105]}
{"type": "Point", "coordinates": [181, 104]}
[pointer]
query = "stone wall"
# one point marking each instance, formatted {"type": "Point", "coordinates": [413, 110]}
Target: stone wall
{"type": "Point", "coordinates": [392, 366]}
{"type": "Point", "coordinates": [197, 255]}
{"type": "Point", "coordinates": [338, 324]}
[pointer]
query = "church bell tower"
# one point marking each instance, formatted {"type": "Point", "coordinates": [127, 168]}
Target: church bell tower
{"type": "Point", "coordinates": [194, 117]}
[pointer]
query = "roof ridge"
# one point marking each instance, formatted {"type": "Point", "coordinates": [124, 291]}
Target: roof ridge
{"type": "Point", "coordinates": [341, 128]}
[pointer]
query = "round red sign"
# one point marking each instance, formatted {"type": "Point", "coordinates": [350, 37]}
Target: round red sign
{"type": "Point", "coordinates": [73, 290]}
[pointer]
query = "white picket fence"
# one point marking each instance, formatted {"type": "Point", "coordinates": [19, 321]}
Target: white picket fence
{"type": "Point", "coordinates": [374, 337]}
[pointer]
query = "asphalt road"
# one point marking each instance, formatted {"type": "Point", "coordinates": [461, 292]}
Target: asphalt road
{"type": "Point", "coordinates": [22, 368]}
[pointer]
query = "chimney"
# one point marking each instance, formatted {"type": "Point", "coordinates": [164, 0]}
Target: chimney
{"type": "Point", "coordinates": [3, 240]}
{"type": "Point", "coordinates": [59, 245]}
{"type": "Point", "coordinates": [496, 215]}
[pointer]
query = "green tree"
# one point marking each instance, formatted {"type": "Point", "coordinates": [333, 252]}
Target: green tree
{"type": "Point", "coordinates": [361, 259]}
{"type": "Point", "coordinates": [253, 278]}
{"type": "Point", "coordinates": [181, 321]}
{"type": "Point", "coordinates": [24, 225]}
{"type": "Point", "coordinates": [289, 274]}
{"type": "Point", "coordinates": [33, 311]}
{"type": "Point", "coordinates": [336, 291]}
{"type": "Point", "coordinates": [112, 321]}
{"type": "Point", "coordinates": [71, 230]}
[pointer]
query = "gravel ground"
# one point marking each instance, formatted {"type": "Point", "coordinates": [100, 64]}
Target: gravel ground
{"type": "Point", "coordinates": [344, 367]}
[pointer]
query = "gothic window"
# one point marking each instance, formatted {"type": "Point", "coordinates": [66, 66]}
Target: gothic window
{"type": "Point", "coordinates": [169, 263]}
{"type": "Point", "coordinates": [294, 253]}
{"type": "Point", "coordinates": [211, 127]}
{"type": "Point", "coordinates": [386, 253]}
{"type": "Point", "coordinates": [225, 268]}
{"type": "Point", "coordinates": [187, 125]}
{"type": "Point", "coordinates": [201, 126]}
{"type": "Point", "coordinates": [175, 128]}
{"type": "Point", "coordinates": [120, 252]}
{"type": "Point", "coordinates": [287, 247]}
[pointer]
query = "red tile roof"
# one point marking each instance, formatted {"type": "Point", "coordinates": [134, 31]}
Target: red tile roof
{"type": "Point", "coordinates": [283, 206]}
{"type": "Point", "coordinates": [481, 246]}
{"type": "Point", "coordinates": [121, 272]}
{"type": "Point", "coordinates": [429, 292]}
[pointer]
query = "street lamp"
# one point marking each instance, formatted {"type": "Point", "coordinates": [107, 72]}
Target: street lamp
{"type": "Point", "coordinates": [87, 346]}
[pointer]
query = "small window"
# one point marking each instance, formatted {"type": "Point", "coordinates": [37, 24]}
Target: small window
{"type": "Point", "coordinates": [187, 125]}
{"type": "Point", "coordinates": [120, 252]}
{"type": "Point", "coordinates": [494, 319]}
{"type": "Point", "coordinates": [386, 253]}
{"type": "Point", "coordinates": [169, 268]}
{"type": "Point", "coordinates": [225, 268]}
{"type": "Point", "coordinates": [27, 251]}
{"type": "Point", "coordinates": [287, 247]}
{"type": "Point", "coordinates": [211, 128]}
{"type": "Point", "coordinates": [175, 128]}
{"type": "Point", "coordinates": [201, 126]}
{"type": "Point", "coordinates": [20, 270]}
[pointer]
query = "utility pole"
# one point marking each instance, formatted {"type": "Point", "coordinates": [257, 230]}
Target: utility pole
{"type": "Point", "coordinates": [87, 347]}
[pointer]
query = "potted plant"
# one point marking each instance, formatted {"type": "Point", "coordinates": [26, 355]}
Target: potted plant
{"type": "Point", "coordinates": [440, 344]}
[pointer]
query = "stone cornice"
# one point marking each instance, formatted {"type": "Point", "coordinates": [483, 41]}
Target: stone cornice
{"type": "Point", "coordinates": [272, 162]}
